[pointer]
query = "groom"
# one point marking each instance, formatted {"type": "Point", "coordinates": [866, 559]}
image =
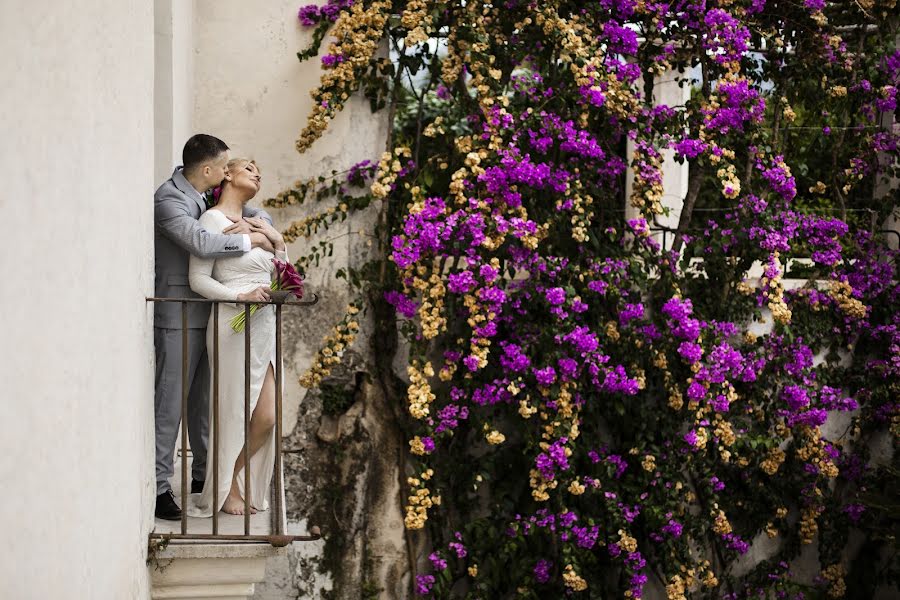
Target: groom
{"type": "Point", "coordinates": [178, 203]}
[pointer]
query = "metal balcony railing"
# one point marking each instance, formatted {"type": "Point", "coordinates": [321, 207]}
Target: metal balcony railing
{"type": "Point", "coordinates": [276, 535]}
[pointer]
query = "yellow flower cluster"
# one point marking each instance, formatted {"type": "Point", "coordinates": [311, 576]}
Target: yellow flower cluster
{"type": "Point", "coordinates": [853, 178]}
{"type": "Point", "coordinates": [539, 486]}
{"type": "Point", "coordinates": [566, 425]}
{"type": "Point", "coordinates": [480, 316]}
{"type": "Point", "coordinates": [834, 575]}
{"type": "Point", "coordinates": [774, 292]}
{"type": "Point", "coordinates": [581, 218]}
{"type": "Point", "coordinates": [809, 525]}
{"type": "Point", "coordinates": [447, 371]}
{"type": "Point", "coordinates": [649, 463]}
{"type": "Point", "coordinates": [310, 225]}
{"type": "Point", "coordinates": [564, 406]}
{"type": "Point", "coordinates": [416, 19]}
{"type": "Point", "coordinates": [294, 195]}
{"type": "Point", "coordinates": [723, 430]}
{"type": "Point", "coordinates": [476, 55]}
{"type": "Point", "coordinates": [702, 438]}
{"type": "Point", "coordinates": [299, 229]}
{"type": "Point", "coordinates": [576, 488]}
{"type": "Point", "coordinates": [431, 310]}
{"type": "Point", "coordinates": [819, 188]}
{"type": "Point", "coordinates": [573, 581]}
{"type": "Point", "coordinates": [435, 128]}
{"type": "Point", "coordinates": [420, 500]}
{"type": "Point", "coordinates": [646, 194]}
{"type": "Point", "coordinates": [842, 294]}
{"type": "Point", "coordinates": [675, 590]}
{"type": "Point", "coordinates": [731, 185]}
{"type": "Point", "coordinates": [612, 331]}
{"type": "Point", "coordinates": [585, 58]}
{"type": "Point", "coordinates": [626, 542]}
{"type": "Point", "coordinates": [357, 32]}
{"type": "Point", "coordinates": [343, 334]}
{"type": "Point", "coordinates": [417, 447]}
{"type": "Point", "coordinates": [773, 461]}
{"type": "Point", "coordinates": [388, 167]}
{"type": "Point", "coordinates": [676, 400]}
{"type": "Point", "coordinates": [813, 452]}
{"type": "Point", "coordinates": [419, 391]}
{"type": "Point", "coordinates": [495, 438]}
{"type": "Point", "coordinates": [721, 525]}
{"type": "Point", "coordinates": [787, 112]}
{"type": "Point", "coordinates": [451, 66]}
{"type": "Point", "coordinates": [526, 409]}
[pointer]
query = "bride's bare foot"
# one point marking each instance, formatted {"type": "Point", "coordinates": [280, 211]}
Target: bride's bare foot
{"type": "Point", "coordinates": [234, 505]}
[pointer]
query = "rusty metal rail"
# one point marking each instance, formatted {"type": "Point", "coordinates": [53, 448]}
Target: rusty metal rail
{"type": "Point", "coordinates": [277, 536]}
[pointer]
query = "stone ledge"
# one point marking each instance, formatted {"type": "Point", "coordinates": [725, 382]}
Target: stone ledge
{"type": "Point", "coordinates": [195, 571]}
{"type": "Point", "coordinates": [179, 549]}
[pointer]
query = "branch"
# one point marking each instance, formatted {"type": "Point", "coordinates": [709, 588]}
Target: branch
{"type": "Point", "coordinates": [695, 179]}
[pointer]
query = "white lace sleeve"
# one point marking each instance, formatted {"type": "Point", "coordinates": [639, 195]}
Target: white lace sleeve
{"type": "Point", "coordinates": [200, 273]}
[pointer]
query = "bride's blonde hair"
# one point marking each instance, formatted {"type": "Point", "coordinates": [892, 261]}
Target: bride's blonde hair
{"type": "Point", "coordinates": [235, 164]}
{"type": "Point", "coordinates": [232, 165]}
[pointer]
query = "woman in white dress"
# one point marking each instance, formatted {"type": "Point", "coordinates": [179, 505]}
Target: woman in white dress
{"type": "Point", "coordinates": [244, 278]}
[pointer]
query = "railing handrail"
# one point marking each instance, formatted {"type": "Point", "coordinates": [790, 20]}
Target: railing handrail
{"type": "Point", "coordinates": [314, 300]}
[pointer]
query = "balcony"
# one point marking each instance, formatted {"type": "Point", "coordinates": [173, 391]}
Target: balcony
{"type": "Point", "coordinates": [223, 556]}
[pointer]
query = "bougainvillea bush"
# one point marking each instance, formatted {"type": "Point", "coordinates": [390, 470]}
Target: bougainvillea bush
{"type": "Point", "coordinates": [594, 410]}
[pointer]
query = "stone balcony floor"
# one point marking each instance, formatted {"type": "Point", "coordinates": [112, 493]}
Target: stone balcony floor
{"type": "Point", "coordinates": [260, 523]}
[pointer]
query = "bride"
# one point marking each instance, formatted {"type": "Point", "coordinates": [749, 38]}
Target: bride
{"type": "Point", "coordinates": [244, 278]}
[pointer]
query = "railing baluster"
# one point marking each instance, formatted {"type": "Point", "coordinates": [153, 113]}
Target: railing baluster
{"type": "Point", "coordinates": [184, 399]}
{"type": "Point", "coordinates": [215, 423]}
{"type": "Point", "coordinates": [246, 419]}
{"type": "Point", "coordinates": [279, 483]}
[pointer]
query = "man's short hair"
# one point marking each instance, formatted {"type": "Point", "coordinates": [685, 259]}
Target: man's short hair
{"type": "Point", "coordinates": [200, 149]}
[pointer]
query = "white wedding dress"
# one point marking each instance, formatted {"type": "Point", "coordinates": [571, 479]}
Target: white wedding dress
{"type": "Point", "coordinates": [224, 279]}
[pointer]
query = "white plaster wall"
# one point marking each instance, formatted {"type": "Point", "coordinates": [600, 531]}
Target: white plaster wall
{"type": "Point", "coordinates": [174, 82]}
{"type": "Point", "coordinates": [251, 91]}
{"type": "Point", "coordinates": [674, 175]}
{"type": "Point", "coordinates": [76, 349]}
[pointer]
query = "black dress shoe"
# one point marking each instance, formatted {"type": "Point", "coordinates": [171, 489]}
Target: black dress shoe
{"type": "Point", "coordinates": [166, 508]}
{"type": "Point", "coordinates": [197, 486]}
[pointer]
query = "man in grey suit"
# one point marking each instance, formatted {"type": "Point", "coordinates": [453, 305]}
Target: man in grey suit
{"type": "Point", "coordinates": [178, 203]}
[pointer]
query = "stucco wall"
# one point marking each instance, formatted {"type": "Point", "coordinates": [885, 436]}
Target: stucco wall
{"type": "Point", "coordinates": [173, 82]}
{"type": "Point", "coordinates": [76, 351]}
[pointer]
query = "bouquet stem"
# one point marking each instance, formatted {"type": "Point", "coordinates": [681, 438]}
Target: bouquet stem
{"type": "Point", "coordinates": [238, 322]}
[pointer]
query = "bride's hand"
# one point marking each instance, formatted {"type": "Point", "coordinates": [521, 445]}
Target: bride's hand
{"type": "Point", "coordinates": [260, 294]}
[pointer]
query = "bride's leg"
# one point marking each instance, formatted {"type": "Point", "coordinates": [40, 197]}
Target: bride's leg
{"type": "Point", "coordinates": [261, 423]}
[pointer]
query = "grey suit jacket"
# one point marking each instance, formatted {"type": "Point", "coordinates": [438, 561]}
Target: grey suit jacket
{"type": "Point", "coordinates": [177, 206]}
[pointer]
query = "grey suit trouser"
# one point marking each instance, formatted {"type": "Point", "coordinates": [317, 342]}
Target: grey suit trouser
{"type": "Point", "coordinates": [168, 344]}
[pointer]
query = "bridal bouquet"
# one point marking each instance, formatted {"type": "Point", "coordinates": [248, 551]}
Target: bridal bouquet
{"type": "Point", "coordinates": [286, 279]}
